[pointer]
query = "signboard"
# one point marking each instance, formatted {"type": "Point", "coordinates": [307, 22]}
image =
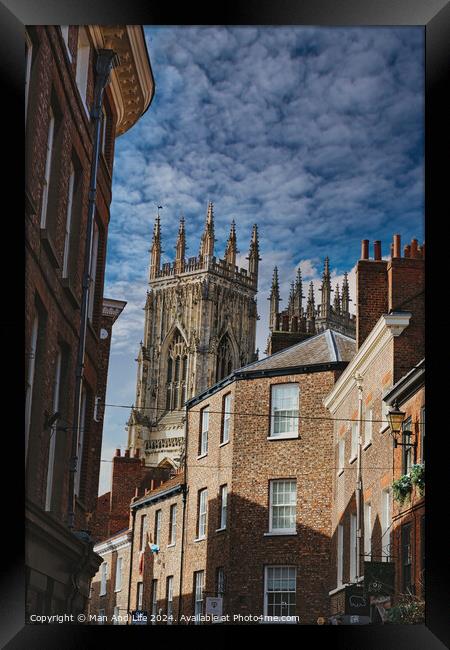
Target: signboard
{"type": "Point", "coordinates": [379, 578]}
{"type": "Point", "coordinates": [356, 601]}
{"type": "Point", "coordinates": [214, 606]}
{"type": "Point", "coordinates": [139, 617]}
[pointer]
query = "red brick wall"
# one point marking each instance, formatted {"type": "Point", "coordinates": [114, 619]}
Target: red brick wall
{"type": "Point", "coordinates": [371, 296]}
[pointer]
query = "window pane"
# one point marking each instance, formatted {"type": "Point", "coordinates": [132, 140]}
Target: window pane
{"type": "Point", "coordinates": [284, 409]}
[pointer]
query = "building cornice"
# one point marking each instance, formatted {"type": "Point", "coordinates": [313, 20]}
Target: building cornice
{"type": "Point", "coordinates": [131, 83]}
{"type": "Point", "coordinates": [387, 327]}
{"type": "Point", "coordinates": [407, 386]}
{"type": "Point", "coordinates": [114, 544]}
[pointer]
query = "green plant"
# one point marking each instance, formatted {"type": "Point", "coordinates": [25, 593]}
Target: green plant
{"type": "Point", "coordinates": [410, 609]}
{"type": "Point", "coordinates": [401, 488]}
{"type": "Point", "coordinates": [417, 475]}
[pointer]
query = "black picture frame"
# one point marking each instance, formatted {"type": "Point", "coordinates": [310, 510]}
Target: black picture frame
{"type": "Point", "coordinates": [434, 16]}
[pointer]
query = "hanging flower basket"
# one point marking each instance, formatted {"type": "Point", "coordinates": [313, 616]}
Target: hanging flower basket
{"type": "Point", "coordinates": [417, 475]}
{"type": "Point", "coordinates": [401, 488]}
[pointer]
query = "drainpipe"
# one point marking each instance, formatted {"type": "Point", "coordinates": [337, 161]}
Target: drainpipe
{"type": "Point", "coordinates": [359, 384]}
{"type": "Point", "coordinates": [106, 60]}
{"type": "Point", "coordinates": [133, 511]}
{"type": "Point", "coordinates": [183, 524]}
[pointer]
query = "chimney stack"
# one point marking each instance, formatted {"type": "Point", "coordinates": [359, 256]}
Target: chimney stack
{"type": "Point", "coordinates": [365, 249]}
{"type": "Point", "coordinates": [377, 250]}
{"type": "Point", "coordinates": [397, 246]}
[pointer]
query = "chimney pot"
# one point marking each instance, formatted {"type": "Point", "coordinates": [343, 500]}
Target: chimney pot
{"type": "Point", "coordinates": [414, 248]}
{"type": "Point", "coordinates": [365, 249]}
{"type": "Point", "coordinates": [117, 452]}
{"type": "Point", "coordinates": [397, 246]}
{"type": "Point", "coordinates": [136, 453]}
{"type": "Point", "coordinates": [377, 250]}
{"type": "Point", "coordinates": [127, 453]}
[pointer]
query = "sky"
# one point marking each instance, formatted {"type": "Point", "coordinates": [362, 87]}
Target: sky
{"type": "Point", "coordinates": [315, 134]}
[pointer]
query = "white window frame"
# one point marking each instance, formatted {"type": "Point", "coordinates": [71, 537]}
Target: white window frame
{"type": "Point", "coordinates": [116, 614]}
{"type": "Point", "coordinates": [48, 167]}
{"type": "Point", "coordinates": [93, 270]}
{"type": "Point", "coordinates": [341, 456]}
{"type": "Point", "coordinates": [103, 578]}
{"type": "Point", "coordinates": [340, 555]}
{"type": "Point", "coordinates": [139, 595]}
{"type": "Point", "coordinates": [30, 379]}
{"type": "Point", "coordinates": [118, 581]}
{"type": "Point", "coordinates": [281, 531]}
{"type": "Point", "coordinates": [53, 431]}
{"type": "Point", "coordinates": [386, 514]}
{"type": "Point", "coordinates": [199, 577]}
{"type": "Point", "coordinates": [173, 524]}
{"type": "Point", "coordinates": [202, 513]}
{"type": "Point", "coordinates": [291, 421]}
{"type": "Point", "coordinates": [65, 35]}
{"type": "Point", "coordinates": [223, 506]}
{"type": "Point", "coordinates": [169, 600]}
{"type": "Point", "coordinates": [384, 424]}
{"type": "Point", "coordinates": [368, 427]}
{"type": "Point", "coordinates": [69, 213]}
{"type": "Point", "coordinates": [367, 531]}
{"type": "Point", "coordinates": [28, 61]}
{"type": "Point", "coordinates": [354, 441]}
{"type": "Point", "coordinates": [267, 570]}
{"type": "Point", "coordinates": [352, 546]}
{"type": "Point", "coordinates": [80, 439]}
{"type": "Point", "coordinates": [204, 431]}
{"type": "Point", "coordinates": [158, 518]}
{"type": "Point", "coordinates": [101, 615]}
{"type": "Point", "coordinates": [82, 71]}
{"type": "Point", "coordinates": [226, 419]}
{"type": "Point", "coordinates": [154, 599]}
{"type": "Point", "coordinates": [143, 532]}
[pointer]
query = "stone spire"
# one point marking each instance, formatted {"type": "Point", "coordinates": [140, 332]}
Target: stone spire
{"type": "Point", "coordinates": [155, 250]}
{"type": "Point", "coordinates": [207, 240]}
{"type": "Point", "coordinates": [326, 290]}
{"type": "Point", "coordinates": [345, 304]}
{"type": "Point", "coordinates": [291, 298]}
{"type": "Point", "coordinates": [180, 247]}
{"type": "Point", "coordinates": [231, 247]}
{"type": "Point", "coordinates": [253, 254]}
{"type": "Point", "coordinates": [311, 310]}
{"type": "Point", "coordinates": [274, 300]}
{"type": "Point", "coordinates": [337, 300]}
{"type": "Point", "coordinates": [298, 294]}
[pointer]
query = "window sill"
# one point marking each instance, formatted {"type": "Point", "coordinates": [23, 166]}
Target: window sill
{"type": "Point", "coordinates": [202, 456]}
{"type": "Point", "coordinates": [285, 533]}
{"type": "Point", "coordinates": [220, 530]}
{"type": "Point", "coordinates": [68, 288]}
{"type": "Point", "coordinates": [49, 247]}
{"type": "Point", "coordinates": [287, 437]}
{"type": "Point", "coordinates": [222, 444]}
{"type": "Point", "coordinates": [171, 545]}
{"type": "Point", "coordinates": [352, 459]}
{"type": "Point", "coordinates": [200, 539]}
{"type": "Point", "coordinates": [117, 591]}
{"type": "Point", "coordinates": [383, 428]}
{"type": "Point", "coordinates": [340, 472]}
{"type": "Point", "coordinates": [367, 445]}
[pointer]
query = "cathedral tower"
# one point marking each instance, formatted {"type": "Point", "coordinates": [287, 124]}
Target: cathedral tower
{"type": "Point", "coordinates": [200, 324]}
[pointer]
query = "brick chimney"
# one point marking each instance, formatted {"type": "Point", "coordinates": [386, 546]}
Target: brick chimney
{"type": "Point", "coordinates": [371, 291]}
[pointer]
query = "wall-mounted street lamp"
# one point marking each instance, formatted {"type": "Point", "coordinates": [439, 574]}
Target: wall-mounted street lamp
{"type": "Point", "coordinates": [395, 418]}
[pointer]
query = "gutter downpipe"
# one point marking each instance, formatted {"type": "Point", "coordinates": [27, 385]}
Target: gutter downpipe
{"type": "Point", "coordinates": [133, 511]}
{"type": "Point", "coordinates": [359, 383]}
{"type": "Point", "coordinates": [183, 524]}
{"type": "Point", "coordinates": [106, 59]}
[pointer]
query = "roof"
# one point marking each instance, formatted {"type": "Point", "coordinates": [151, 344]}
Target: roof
{"type": "Point", "coordinates": [327, 347]}
{"type": "Point", "coordinates": [311, 355]}
{"type": "Point", "coordinates": [168, 486]}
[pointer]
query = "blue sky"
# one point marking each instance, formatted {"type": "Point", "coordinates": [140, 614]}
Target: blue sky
{"type": "Point", "coordinates": [315, 134]}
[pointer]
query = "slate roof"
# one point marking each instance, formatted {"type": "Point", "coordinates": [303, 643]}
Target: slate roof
{"type": "Point", "coordinates": [327, 347]}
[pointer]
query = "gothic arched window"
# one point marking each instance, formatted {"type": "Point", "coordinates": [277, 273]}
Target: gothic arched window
{"type": "Point", "coordinates": [224, 358]}
{"type": "Point", "coordinates": [176, 373]}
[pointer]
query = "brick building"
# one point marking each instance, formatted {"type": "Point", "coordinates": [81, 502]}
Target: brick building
{"type": "Point", "coordinates": [408, 517]}
{"type": "Point", "coordinates": [66, 67]}
{"type": "Point", "coordinates": [390, 342]}
{"type": "Point", "coordinates": [258, 509]}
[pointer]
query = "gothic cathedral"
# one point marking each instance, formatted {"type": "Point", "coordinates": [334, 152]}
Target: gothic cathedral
{"type": "Point", "coordinates": [200, 324]}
